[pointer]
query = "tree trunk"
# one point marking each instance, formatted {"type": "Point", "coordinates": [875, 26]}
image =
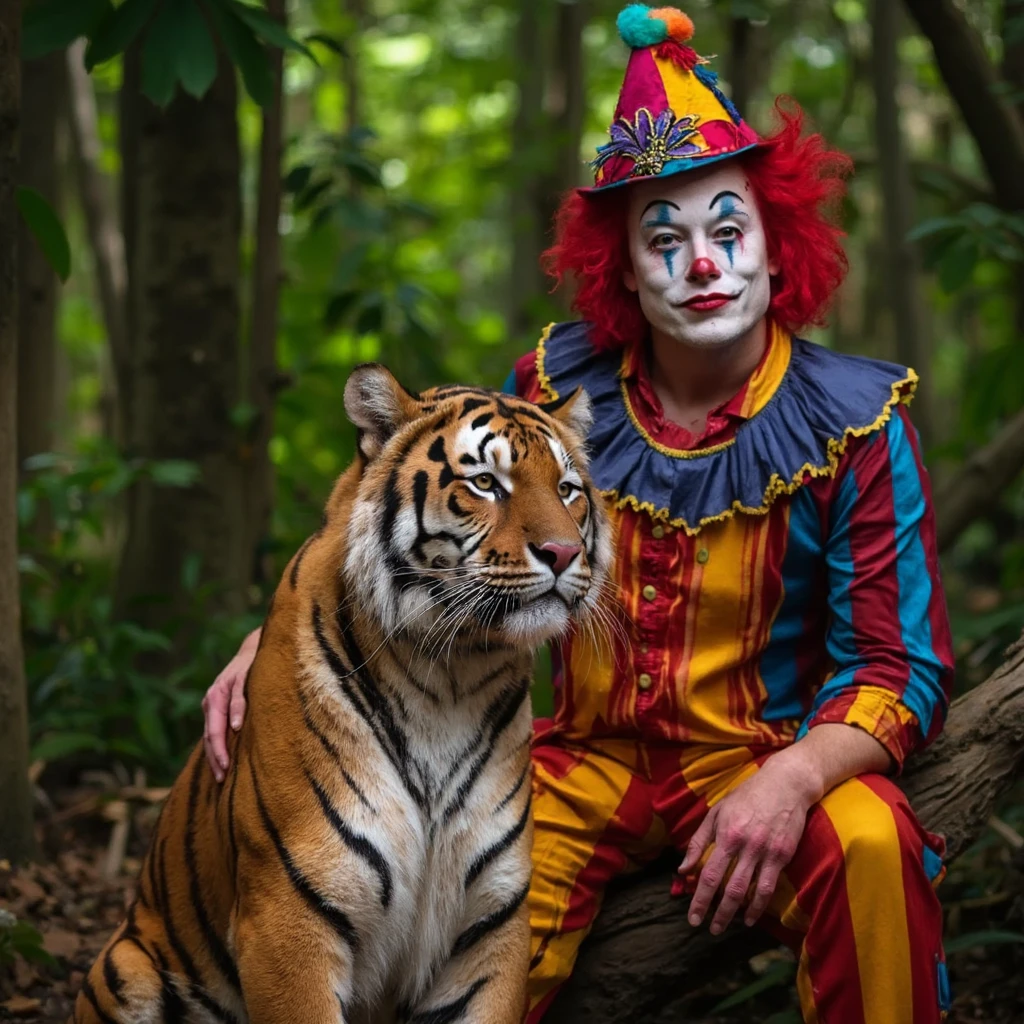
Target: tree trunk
{"type": "Point", "coordinates": [41, 90]}
{"type": "Point", "coordinates": [901, 259]}
{"type": "Point", "coordinates": [975, 86]}
{"type": "Point", "coordinates": [16, 840]}
{"type": "Point", "coordinates": [643, 956]}
{"type": "Point", "coordinates": [182, 221]}
{"type": "Point", "coordinates": [530, 155]}
{"type": "Point", "coordinates": [266, 280]}
{"type": "Point", "coordinates": [546, 137]}
{"type": "Point", "coordinates": [105, 239]}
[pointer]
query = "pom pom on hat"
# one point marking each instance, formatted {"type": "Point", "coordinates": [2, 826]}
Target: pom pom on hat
{"type": "Point", "coordinates": [641, 26]}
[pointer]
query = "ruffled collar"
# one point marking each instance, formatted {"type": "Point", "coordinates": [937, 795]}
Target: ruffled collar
{"type": "Point", "coordinates": [797, 413]}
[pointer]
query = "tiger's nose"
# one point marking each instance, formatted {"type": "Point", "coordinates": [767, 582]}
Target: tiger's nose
{"type": "Point", "coordinates": [557, 556]}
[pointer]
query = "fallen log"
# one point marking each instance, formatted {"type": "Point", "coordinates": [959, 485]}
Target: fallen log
{"type": "Point", "coordinates": [643, 961]}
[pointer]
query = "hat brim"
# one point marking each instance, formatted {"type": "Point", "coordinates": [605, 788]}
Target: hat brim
{"type": "Point", "coordinates": [672, 168]}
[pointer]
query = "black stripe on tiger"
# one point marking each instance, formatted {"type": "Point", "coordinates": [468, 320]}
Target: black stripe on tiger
{"type": "Point", "coordinates": [359, 845]}
{"type": "Point", "coordinates": [510, 796]}
{"type": "Point", "coordinates": [111, 978]}
{"type": "Point", "coordinates": [90, 994]}
{"type": "Point", "coordinates": [475, 932]}
{"type": "Point", "coordinates": [333, 752]}
{"type": "Point", "coordinates": [221, 956]}
{"type": "Point", "coordinates": [371, 705]}
{"type": "Point", "coordinates": [497, 849]}
{"type": "Point", "coordinates": [451, 1012]}
{"type": "Point", "coordinates": [174, 1009]}
{"type": "Point", "coordinates": [498, 716]}
{"type": "Point", "coordinates": [334, 916]}
{"type": "Point", "coordinates": [377, 704]}
{"type": "Point", "coordinates": [195, 981]}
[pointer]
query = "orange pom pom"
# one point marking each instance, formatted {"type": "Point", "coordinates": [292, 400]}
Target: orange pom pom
{"type": "Point", "coordinates": [679, 25]}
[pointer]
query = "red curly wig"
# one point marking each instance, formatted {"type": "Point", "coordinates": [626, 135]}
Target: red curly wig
{"type": "Point", "coordinates": [797, 180]}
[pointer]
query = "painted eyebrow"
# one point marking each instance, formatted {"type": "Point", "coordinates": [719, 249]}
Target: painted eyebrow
{"type": "Point", "coordinates": [660, 202]}
{"type": "Point", "coordinates": [722, 195]}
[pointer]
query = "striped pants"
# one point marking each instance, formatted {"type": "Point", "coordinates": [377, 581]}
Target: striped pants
{"type": "Point", "coordinates": [857, 902]}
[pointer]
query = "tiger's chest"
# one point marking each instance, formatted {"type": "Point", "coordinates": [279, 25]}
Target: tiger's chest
{"type": "Point", "coordinates": [437, 842]}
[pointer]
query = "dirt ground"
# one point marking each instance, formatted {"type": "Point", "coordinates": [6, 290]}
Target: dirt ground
{"type": "Point", "coordinates": [92, 839]}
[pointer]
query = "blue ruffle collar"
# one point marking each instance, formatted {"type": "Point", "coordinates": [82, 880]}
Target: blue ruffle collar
{"type": "Point", "coordinates": [821, 401]}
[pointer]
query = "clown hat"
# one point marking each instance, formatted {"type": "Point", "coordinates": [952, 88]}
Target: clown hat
{"type": "Point", "coordinates": [671, 115]}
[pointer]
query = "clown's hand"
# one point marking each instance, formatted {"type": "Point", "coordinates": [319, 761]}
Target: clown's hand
{"type": "Point", "coordinates": [755, 831]}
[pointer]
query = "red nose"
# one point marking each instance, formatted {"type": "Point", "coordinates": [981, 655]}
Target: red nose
{"type": "Point", "coordinates": [703, 268]}
{"type": "Point", "coordinates": [557, 556]}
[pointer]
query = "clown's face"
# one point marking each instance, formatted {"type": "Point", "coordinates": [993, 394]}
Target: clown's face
{"type": "Point", "coordinates": [700, 258]}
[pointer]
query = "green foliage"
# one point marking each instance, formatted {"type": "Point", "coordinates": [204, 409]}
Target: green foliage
{"type": "Point", "coordinates": [98, 686]}
{"type": "Point", "coordinates": [47, 229]}
{"type": "Point", "coordinates": [20, 939]}
{"type": "Point", "coordinates": [177, 47]}
{"type": "Point", "coordinates": [956, 243]}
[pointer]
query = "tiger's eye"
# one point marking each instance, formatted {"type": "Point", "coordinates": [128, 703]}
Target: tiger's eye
{"type": "Point", "coordinates": [564, 489]}
{"type": "Point", "coordinates": [484, 481]}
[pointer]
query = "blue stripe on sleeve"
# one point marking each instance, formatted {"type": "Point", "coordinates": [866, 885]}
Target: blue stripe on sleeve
{"type": "Point", "coordinates": [840, 641]}
{"type": "Point", "coordinates": [509, 387]}
{"type": "Point", "coordinates": [923, 688]}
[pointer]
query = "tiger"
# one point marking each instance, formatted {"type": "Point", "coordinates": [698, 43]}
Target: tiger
{"type": "Point", "coordinates": [367, 856]}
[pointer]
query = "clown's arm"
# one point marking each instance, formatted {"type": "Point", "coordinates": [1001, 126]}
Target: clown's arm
{"type": "Point", "coordinates": [889, 639]}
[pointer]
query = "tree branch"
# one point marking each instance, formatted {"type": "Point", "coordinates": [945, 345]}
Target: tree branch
{"type": "Point", "coordinates": [977, 483]}
{"type": "Point", "coordinates": [977, 89]}
{"type": "Point", "coordinates": [643, 958]}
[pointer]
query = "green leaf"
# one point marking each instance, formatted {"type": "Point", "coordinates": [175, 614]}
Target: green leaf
{"type": "Point", "coordinates": [245, 52]}
{"type": "Point", "coordinates": [63, 744]}
{"type": "Point", "coordinates": [269, 29]}
{"type": "Point", "coordinates": [335, 45]}
{"type": "Point", "coordinates": [160, 56]}
{"type": "Point", "coordinates": [196, 62]}
{"type": "Point", "coordinates": [174, 473]}
{"type": "Point", "coordinates": [934, 226]}
{"type": "Point", "coordinates": [958, 264]}
{"type": "Point", "coordinates": [45, 225]}
{"type": "Point", "coordinates": [118, 29]}
{"type": "Point", "coordinates": [297, 178]}
{"type": "Point", "coordinates": [55, 24]}
{"type": "Point", "coordinates": [776, 976]}
{"type": "Point", "coordinates": [985, 938]}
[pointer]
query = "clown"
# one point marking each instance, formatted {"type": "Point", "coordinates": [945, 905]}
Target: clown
{"type": "Point", "coordinates": [785, 644]}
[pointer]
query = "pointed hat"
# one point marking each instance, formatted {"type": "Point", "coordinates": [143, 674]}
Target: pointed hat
{"type": "Point", "coordinates": [671, 115]}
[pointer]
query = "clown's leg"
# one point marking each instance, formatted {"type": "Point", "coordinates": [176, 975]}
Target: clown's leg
{"type": "Point", "coordinates": [859, 905]}
{"type": "Point", "coordinates": [592, 821]}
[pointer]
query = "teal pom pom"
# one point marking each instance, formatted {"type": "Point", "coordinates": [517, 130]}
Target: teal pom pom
{"type": "Point", "coordinates": [638, 29]}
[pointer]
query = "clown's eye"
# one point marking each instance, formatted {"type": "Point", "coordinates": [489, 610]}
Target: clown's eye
{"type": "Point", "coordinates": [483, 482]}
{"type": "Point", "coordinates": [663, 241]}
{"type": "Point", "coordinates": [567, 489]}
{"type": "Point", "coordinates": [729, 233]}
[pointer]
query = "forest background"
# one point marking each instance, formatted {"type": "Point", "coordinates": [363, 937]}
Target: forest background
{"type": "Point", "coordinates": [222, 208]}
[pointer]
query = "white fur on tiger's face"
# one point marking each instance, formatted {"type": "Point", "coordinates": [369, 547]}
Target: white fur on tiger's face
{"type": "Point", "coordinates": [475, 516]}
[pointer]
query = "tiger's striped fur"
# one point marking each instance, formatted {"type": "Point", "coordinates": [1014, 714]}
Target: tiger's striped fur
{"type": "Point", "coordinates": [367, 857]}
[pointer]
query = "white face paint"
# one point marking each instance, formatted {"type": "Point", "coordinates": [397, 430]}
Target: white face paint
{"type": "Point", "coordinates": [700, 257]}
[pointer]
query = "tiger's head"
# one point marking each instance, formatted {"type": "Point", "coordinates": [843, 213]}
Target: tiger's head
{"type": "Point", "coordinates": [474, 514]}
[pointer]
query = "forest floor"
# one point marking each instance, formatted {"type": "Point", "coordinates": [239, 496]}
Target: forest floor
{"type": "Point", "coordinates": [93, 838]}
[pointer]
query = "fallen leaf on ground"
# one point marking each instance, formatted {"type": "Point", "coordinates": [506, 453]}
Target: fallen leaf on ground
{"type": "Point", "coordinates": [21, 1006]}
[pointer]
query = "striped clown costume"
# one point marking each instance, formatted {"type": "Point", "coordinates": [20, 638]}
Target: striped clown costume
{"type": "Point", "coordinates": [776, 572]}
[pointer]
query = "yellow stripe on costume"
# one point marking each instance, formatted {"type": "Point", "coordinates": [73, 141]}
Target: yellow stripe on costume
{"type": "Point", "coordinates": [865, 824]}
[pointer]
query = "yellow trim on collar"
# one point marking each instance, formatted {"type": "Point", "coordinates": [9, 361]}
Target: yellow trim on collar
{"type": "Point", "coordinates": [777, 485]}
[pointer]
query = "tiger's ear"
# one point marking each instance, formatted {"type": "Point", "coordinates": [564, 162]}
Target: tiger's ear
{"type": "Point", "coordinates": [378, 405]}
{"type": "Point", "coordinates": [574, 410]}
